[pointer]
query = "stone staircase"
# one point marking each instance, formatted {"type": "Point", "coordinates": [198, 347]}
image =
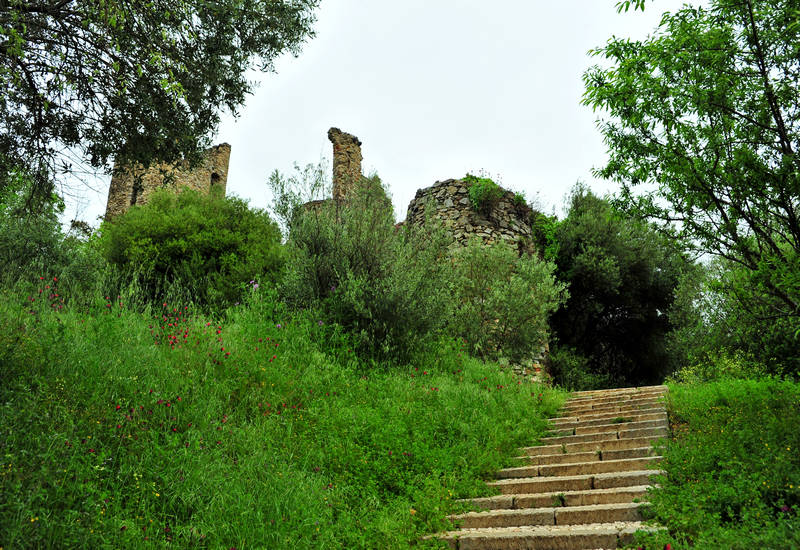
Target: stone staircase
{"type": "Point", "coordinates": [577, 489]}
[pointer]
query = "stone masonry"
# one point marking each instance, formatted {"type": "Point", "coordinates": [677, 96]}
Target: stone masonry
{"type": "Point", "coordinates": [448, 201]}
{"type": "Point", "coordinates": [346, 162]}
{"type": "Point", "coordinates": [134, 187]}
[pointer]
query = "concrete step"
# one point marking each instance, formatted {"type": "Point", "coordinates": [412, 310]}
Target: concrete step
{"type": "Point", "coordinates": [621, 433]}
{"type": "Point", "coordinates": [566, 439]}
{"type": "Point", "coordinates": [569, 515]}
{"type": "Point", "coordinates": [577, 410]}
{"type": "Point", "coordinates": [599, 467]}
{"type": "Point", "coordinates": [577, 489]}
{"type": "Point", "coordinates": [609, 427]}
{"type": "Point", "coordinates": [624, 412]}
{"type": "Point", "coordinates": [585, 456]}
{"type": "Point", "coordinates": [550, 537]}
{"type": "Point", "coordinates": [561, 498]}
{"type": "Point", "coordinates": [616, 426]}
{"type": "Point", "coordinates": [584, 482]}
{"type": "Point", "coordinates": [578, 468]}
{"type": "Point", "coordinates": [608, 418]}
{"type": "Point", "coordinates": [607, 445]}
{"type": "Point", "coordinates": [591, 401]}
{"type": "Point", "coordinates": [614, 391]}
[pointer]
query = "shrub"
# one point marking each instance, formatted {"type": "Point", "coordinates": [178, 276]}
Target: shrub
{"type": "Point", "coordinates": [504, 300]}
{"type": "Point", "coordinates": [719, 365]}
{"type": "Point", "coordinates": [33, 244]}
{"type": "Point", "coordinates": [210, 244]}
{"type": "Point", "coordinates": [387, 287]}
{"type": "Point", "coordinates": [483, 193]}
{"type": "Point", "coordinates": [716, 329]}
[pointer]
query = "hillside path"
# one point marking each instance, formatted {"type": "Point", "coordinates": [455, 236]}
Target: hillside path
{"type": "Point", "coordinates": [576, 490]}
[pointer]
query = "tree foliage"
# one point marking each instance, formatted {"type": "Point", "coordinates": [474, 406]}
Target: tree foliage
{"type": "Point", "coordinates": [703, 128]}
{"type": "Point", "coordinates": [85, 82]}
{"type": "Point", "coordinates": [621, 277]}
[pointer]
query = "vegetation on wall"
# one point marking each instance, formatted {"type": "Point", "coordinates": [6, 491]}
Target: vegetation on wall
{"type": "Point", "coordinates": [483, 193]}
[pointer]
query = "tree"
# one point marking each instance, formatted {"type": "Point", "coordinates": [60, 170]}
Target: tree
{"type": "Point", "coordinates": [137, 82]}
{"type": "Point", "coordinates": [703, 128]}
{"type": "Point", "coordinates": [621, 277]}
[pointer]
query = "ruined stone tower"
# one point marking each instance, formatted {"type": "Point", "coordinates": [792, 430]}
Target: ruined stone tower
{"type": "Point", "coordinates": [134, 187]}
{"type": "Point", "coordinates": [346, 162]}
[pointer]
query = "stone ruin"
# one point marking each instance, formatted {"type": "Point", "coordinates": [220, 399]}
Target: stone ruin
{"type": "Point", "coordinates": [134, 187]}
{"type": "Point", "coordinates": [346, 162]}
{"type": "Point", "coordinates": [448, 202]}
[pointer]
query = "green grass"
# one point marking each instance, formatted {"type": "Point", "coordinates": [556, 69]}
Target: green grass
{"type": "Point", "coordinates": [260, 429]}
{"type": "Point", "coordinates": [732, 469]}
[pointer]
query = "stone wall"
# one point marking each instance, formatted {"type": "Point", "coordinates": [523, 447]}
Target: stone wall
{"type": "Point", "coordinates": [450, 204]}
{"type": "Point", "coordinates": [346, 162]}
{"type": "Point", "coordinates": [134, 187]}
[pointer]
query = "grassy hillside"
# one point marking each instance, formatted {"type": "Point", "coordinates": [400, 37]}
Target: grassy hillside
{"type": "Point", "coordinates": [153, 428]}
{"type": "Point", "coordinates": [733, 467]}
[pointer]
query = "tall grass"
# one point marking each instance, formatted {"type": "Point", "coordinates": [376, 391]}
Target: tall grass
{"type": "Point", "coordinates": [158, 427]}
{"type": "Point", "coordinates": [733, 467]}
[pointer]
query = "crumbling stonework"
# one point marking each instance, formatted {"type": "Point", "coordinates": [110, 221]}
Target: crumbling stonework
{"type": "Point", "coordinates": [134, 187]}
{"type": "Point", "coordinates": [449, 203]}
{"type": "Point", "coordinates": [346, 162]}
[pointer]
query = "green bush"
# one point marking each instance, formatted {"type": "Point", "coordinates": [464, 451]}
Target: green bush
{"type": "Point", "coordinates": [212, 245]}
{"type": "Point", "coordinates": [483, 193]}
{"type": "Point", "coordinates": [33, 244]}
{"type": "Point", "coordinates": [719, 365]}
{"type": "Point", "coordinates": [504, 300]}
{"type": "Point", "coordinates": [622, 276]}
{"type": "Point", "coordinates": [718, 323]}
{"type": "Point", "coordinates": [388, 287]}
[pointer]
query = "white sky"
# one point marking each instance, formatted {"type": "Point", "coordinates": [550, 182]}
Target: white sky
{"type": "Point", "coordinates": [434, 89]}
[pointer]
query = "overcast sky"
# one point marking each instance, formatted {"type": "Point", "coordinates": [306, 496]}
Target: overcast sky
{"type": "Point", "coordinates": [434, 89]}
